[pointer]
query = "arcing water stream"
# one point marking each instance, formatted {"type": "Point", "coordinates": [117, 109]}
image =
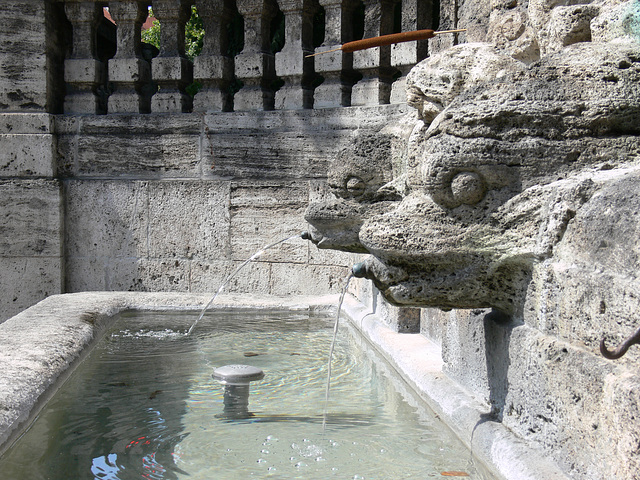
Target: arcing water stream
{"type": "Point", "coordinates": [335, 328]}
{"type": "Point", "coordinates": [333, 344]}
{"type": "Point", "coordinates": [230, 277]}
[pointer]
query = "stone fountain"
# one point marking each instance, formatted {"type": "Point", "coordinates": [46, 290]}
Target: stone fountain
{"type": "Point", "coordinates": [517, 192]}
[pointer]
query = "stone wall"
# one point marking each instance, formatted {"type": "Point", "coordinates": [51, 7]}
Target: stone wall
{"type": "Point", "coordinates": [204, 194]}
{"type": "Point", "coordinates": [168, 203]}
{"type": "Point", "coordinates": [176, 199]}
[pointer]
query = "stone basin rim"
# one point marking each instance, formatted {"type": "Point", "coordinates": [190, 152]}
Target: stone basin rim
{"type": "Point", "coordinates": [41, 346]}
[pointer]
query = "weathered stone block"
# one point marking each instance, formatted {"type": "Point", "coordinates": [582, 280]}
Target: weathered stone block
{"type": "Point", "coordinates": [252, 98]}
{"type": "Point", "coordinates": [85, 274]}
{"type": "Point", "coordinates": [173, 101]}
{"type": "Point", "coordinates": [263, 214]}
{"type": "Point", "coordinates": [433, 323]}
{"type": "Point", "coordinates": [255, 277]}
{"type": "Point", "coordinates": [126, 100]}
{"type": "Point", "coordinates": [399, 91]}
{"type": "Point", "coordinates": [38, 123]}
{"type": "Point", "coordinates": [208, 275]}
{"type": "Point", "coordinates": [329, 62]}
{"type": "Point", "coordinates": [464, 350]}
{"type": "Point", "coordinates": [253, 65]}
{"type": "Point", "coordinates": [83, 70]}
{"type": "Point", "coordinates": [291, 97]}
{"type": "Point", "coordinates": [27, 280]}
{"type": "Point", "coordinates": [210, 99]}
{"type": "Point", "coordinates": [188, 220]}
{"type": "Point", "coordinates": [129, 70]}
{"type": "Point", "coordinates": [27, 155]}
{"type": "Point", "coordinates": [31, 213]}
{"type": "Point", "coordinates": [107, 219]}
{"type": "Point", "coordinates": [404, 54]}
{"type": "Point", "coordinates": [370, 91]}
{"type": "Point", "coordinates": [331, 93]}
{"type": "Point", "coordinates": [290, 62]}
{"type": "Point", "coordinates": [212, 66]}
{"type": "Point", "coordinates": [171, 155]}
{"type": "Point", "coordinates": [369, 58]}
{"type": "Point", "coordinates": [82, 102]}
{"type": "Point", "coordinates": [170, 68]}
{"type": "Point", "coordinates": [149, 275]}
{"type": "Point", "coordinates": [289, 279]}
{"type": "Point", "coordinates": [23, 68]}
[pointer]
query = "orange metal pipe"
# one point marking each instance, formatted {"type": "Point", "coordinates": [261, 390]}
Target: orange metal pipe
{"type": "Point", "coordinates": [388, 40]}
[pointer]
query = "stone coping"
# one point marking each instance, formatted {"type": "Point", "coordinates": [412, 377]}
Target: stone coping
{"type": "Point", "coordinates": [40, 347]}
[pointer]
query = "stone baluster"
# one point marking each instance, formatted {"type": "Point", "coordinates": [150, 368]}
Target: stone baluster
{"type": "Point", "coordinates": [171, 69]}
{"type": "Point", "coordinates": [292, 64]}
{"type": "Point", "coordinates": [416, 15]}
{"type": "Point", "coordinates": [83, 72]}
{"type": "Point", "coordinates": [448, 21]}
{"type": "Point", "coordinates": [374, 63]}
{"type": "Point", "coordinates": [129, 73]}
{"type": "Point", "coordinates": [213, 68]}
{"type": "Point", "coordinates": [335, 67]}
{"type": "Point", "coordinates": [255, 65]}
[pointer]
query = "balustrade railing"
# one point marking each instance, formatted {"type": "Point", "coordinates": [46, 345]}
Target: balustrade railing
{"type": "Point", "coordinates": [255, 55]}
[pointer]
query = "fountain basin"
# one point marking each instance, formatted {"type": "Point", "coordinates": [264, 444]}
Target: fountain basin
{"type": "Point", "coordinates": [41, 346]}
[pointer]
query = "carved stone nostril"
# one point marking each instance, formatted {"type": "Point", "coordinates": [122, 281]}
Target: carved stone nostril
{"type": "Point", "coordinates": [359, 270]}
{"type": "Point", "coordinates": [355, 186]}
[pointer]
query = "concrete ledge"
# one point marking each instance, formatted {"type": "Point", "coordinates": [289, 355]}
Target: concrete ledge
{"type": "Point", "coordinates": [419, 362]}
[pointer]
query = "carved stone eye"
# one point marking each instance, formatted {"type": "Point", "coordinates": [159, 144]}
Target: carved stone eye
{"type": "Point", "coordinates": [355, 186]}
{"type": "Point", "coordinates": [467, 188]}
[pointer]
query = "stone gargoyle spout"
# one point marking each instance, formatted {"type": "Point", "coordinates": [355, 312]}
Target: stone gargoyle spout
{"type": "Point", "coordinates": [502, 157]}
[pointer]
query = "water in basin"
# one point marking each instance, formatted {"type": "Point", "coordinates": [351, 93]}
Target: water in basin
{"type": "Point", "coordinates": [144, 405]}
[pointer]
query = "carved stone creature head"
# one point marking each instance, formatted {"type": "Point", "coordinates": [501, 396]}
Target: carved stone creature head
{"type": "Point", "coordinates": [503, 156]}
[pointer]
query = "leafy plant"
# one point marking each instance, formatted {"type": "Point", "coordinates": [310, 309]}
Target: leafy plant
{"type": "Point", "coordinates": [193, 32]}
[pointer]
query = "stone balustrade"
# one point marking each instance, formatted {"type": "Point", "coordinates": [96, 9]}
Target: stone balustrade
{"type": "Point", "coordinates": [255, 55]}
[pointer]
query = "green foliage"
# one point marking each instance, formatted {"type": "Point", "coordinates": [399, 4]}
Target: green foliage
{"type": "Point", "coordinates": [194, 34]}
{"type": "Point", "coordinates": [152, 35]}
{"type": "Point", "coordinates": [277, 32]}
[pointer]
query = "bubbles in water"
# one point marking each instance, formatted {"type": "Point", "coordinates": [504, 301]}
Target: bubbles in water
{"type": "Point", "coordinates": [307, 450]}
{"type": "Point", "coordinates": [155, 334]}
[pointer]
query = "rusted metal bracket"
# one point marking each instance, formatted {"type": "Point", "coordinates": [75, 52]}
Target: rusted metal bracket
{"type": "Point", "coordinates": [622, 348]}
